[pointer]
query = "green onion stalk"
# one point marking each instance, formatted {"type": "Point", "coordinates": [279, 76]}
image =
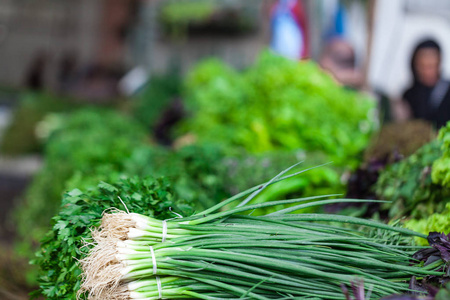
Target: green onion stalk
{"type": "Point", "coordinates": [227, 254]}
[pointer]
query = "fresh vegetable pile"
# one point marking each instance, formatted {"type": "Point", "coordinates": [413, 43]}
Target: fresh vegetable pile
{"type": "Point", "coordinates": [409, 186]}
{"type": "Point", "coordinates": [227, 254]}
{"type": "Point", "coordinates": [86, 143]}
{"type": "Point", "coordinates": [433, 199]}
{"type": "Point", "coordinates": [277, 104]}
{"type": "Point", "coordinates": [69, 165]}
{"type": "Point", "coordinates": [200, 176]}
{"type": "Point", "coordinates": [113, 146]}
{"type": "Point", "coordinates": [416, 185]}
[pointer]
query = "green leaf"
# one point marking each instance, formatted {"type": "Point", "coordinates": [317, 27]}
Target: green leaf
{"type": "Point", "coordinates": [107, 187]}
{"type": "Point", "coordinates": [75, 193]}
{"type": "Point", "coordinates": [136, 197]}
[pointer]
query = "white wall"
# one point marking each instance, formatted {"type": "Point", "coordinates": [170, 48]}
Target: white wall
{"type": "Point", "coordinates": [397, 30]}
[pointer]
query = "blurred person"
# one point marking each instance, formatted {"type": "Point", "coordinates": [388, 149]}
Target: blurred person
{"type": "Point", "coordinates": [34, 78]}
{"type": "Point", "coordinates": [428, 97]}
{"type": "Point", "coordinates": [338, 58]}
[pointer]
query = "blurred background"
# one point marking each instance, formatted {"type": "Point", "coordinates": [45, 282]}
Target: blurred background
{"type": "Point", "coordinates": [110, 38]}
{"type": "Point", "coordinates": [74, 73]}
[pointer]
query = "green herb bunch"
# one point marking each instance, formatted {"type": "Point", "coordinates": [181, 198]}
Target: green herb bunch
{"type": "Point", "coordinates": [89, 141]}
{"type": "Point", "coordinates": [417, 187]}
{"type": "Point", "coordinates": [408, 184]}
{"type": "Point", "coordinates": [80, 210]}
{"type": "Point", "coordinates": [195, 171]}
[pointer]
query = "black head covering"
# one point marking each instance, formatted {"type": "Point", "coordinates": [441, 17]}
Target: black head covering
{"type": "Point", "coordinates": [426, 44]}
{"type": "Point", "coordinates": [421, 98]}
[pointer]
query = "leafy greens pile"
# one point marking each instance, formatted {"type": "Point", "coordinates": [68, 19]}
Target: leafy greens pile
{"type": "Point", "coordinates": [277, 104]}
{"type": "Point", "coordinates": [409, 186]}
{"type": "Point", "coordinates": [90, 146]}
{"type": "Point", "coordinates": [87, 142]}
{"type": "Point", "coordinates": [418, 187]}
{"type": "Point", "coordinates": [201, 176]}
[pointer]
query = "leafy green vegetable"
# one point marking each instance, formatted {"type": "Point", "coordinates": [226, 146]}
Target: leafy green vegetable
{"type": "Point", "coordinates": [207, 174]}
{"type": "Point", "coordinates": [417, 187]}
{"type": "Point", "coordinates": [409, 186]}
{"type": "Point", "coordinates": [196, 172]}
{"type": "Point", "coordinates": [88, 140]}
{"type": "Point", "coordinates": [441, 167]}
{"type": "Point", "coordinates": [201, 174]}
{"type": "Point", "coordinates": [437, 222]}
{"type": "Point", "coordinates": [277, 104]}
{"type": "Point", "coordinates": [80, 210]}
{"type": "Point", "coordinates": [200, 177]}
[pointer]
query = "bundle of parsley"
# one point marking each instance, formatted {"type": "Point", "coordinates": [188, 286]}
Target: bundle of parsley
{"type": "Point", "coordinates": [62, 247]}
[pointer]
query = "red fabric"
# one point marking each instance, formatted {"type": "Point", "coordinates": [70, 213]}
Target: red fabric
{"type": "Point", "coordinates": [299, 13]}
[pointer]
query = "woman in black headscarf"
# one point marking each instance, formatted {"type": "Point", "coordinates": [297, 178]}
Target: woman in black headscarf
{"type": "Point", "coordinates": [428, 98]}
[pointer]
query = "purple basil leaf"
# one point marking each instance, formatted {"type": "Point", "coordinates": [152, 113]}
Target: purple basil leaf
{"type": "Point", "coordinates": [358, 289]}
{"type": "Point", "coordinates": [424, 254]}
{"type": "Point", "coordinates": [445, 252]}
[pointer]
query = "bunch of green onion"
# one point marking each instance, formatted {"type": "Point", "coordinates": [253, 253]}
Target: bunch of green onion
{"type": "Point", "coordinates": [226, 254]}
